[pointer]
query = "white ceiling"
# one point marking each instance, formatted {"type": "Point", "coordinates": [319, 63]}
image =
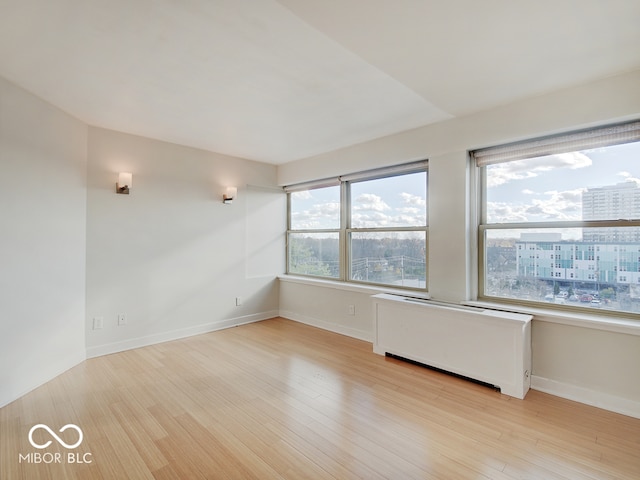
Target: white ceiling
{"type": "Point", "coordinates": [277, 81]}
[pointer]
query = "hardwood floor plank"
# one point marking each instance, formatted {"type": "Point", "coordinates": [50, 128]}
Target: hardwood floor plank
{"type": "Point", "coordinates": [268, 445]}
{"type": "Point", "coordinates": [281, 400]}
{"type": "Point", "coordinates": [188, 457]}
{"type": "Point", "coordinates": [136, 426]}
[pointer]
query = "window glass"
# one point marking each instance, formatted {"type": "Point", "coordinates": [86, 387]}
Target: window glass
{"type": "Point", "coordinates": [399, 201]}
{"type": "Point", "coordinates": [379, 236]}
{"type": "Point", "coordinates": [598, 184]}
{"type": "Point", "coordinates": [315, 209]}
{"type": "Point", "coordinates": [575, 238]}
{"type": "Point", "coordinates": [314, 254]}
{"type": "Point", "coordinates": [389, 258]}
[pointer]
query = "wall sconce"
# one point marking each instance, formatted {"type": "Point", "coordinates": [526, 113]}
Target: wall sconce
{"type": "Point", "coordinates": [125, 181]}
{"type": "Point", "coordinates": [229, 195]}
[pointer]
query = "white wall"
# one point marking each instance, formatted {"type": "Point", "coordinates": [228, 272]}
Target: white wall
{"type": "Point", "coordinates": [589, 365]}
{"type": "Point", "coordinates": [561, 353]}
{"type": "Point", "coordinates": [326, 305]}
{"type": "Point", "coordinates": [43, 213]}
{"type": "Point", "coordinates": [171, 256]}
{"type": "Point", "coordinates": [612, 99]}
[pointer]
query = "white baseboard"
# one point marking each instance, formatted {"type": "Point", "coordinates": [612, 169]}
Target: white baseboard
{"type": "Point", "coordinates": [594, 398]}
{"type": "Point", "coordinates": [145, 341]}
{"type": "Point", "coordinates": [332, 327]}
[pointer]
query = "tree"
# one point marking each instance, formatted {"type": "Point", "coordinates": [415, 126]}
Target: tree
{"type": "Point", "coordinates": [303, 260]}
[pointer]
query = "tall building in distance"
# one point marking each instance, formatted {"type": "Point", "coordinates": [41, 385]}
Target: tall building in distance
{"type": "Point", "coordinates": [620, 201]}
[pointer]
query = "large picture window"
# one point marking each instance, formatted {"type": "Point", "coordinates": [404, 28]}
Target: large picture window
{"type": "Point", "coordinates": [368, 227]}
{"type": "Point", "coordinates": [560, 220]}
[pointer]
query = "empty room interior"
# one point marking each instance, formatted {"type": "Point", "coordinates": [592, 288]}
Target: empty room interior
{"type": "Point", "coordinates": [320, 239]}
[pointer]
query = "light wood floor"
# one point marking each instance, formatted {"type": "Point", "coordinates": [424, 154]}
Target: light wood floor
{"type": "Point", "coordinates": [278, 399]}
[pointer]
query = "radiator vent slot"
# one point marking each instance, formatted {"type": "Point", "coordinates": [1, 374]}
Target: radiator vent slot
{"type": "Point", "coordinates": [440, 370]}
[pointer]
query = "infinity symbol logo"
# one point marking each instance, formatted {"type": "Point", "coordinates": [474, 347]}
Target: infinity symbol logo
{"type": "Point", "coordinates": [59, 440]}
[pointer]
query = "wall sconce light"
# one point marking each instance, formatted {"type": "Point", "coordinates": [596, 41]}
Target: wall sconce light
{"type": "Point", "coordinates": [125, 181]}
{"type": "Point", "coordinates": [229, 195]}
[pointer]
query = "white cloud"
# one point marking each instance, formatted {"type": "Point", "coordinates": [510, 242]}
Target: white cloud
{"type": "Point", "coordinates": [371, 219]}
{"type": "Point", "coordinates": [502, 173]}
{"type": "Point", "coordinates": [302, 195]}
{"type": "Point", "coordinates": [548, 206]}
{"type": "Point", "coordinates": [498, 212]}
{"type": "Point", "coordinates": [565, 205]}
{"type": "Point", "coordinates": [628, 177]}
{"type": "Point", "coordinates": [405, 220]}
{"type": "Point", "coordinates": [410, 199]}
{"type": "Point", "coordinates": [380, 219]}
{"type": "Point", "coordinates": [370, 202]}
{"type": "Point", "coordinates": [410, 210]}
{"type": "Point", "coordinates": [321, 215]}
{"type": "Point", "coordinates": [326, 209]}
{"type": "Point", "coordinates": [370, 211]}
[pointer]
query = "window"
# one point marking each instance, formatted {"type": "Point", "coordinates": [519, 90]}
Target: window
{"type": "Point", "coordinates": [387, 238]}
{"type": "Point", "coordinates": [576, 193]}
{"type": "Point", "coordinates": [314, 232]}
{"type": "Point", "coordinates": [368, 227]}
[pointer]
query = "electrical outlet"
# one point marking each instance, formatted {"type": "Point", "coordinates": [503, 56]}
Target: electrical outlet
{"type": "Point", "coordinates": [238, 301]}
{"type": "Point", "coordinates": [98, 323]}
{"type": "Point", "coordinates": [122, 319]}
{"type": "Point", "coordinates": [351, 309]}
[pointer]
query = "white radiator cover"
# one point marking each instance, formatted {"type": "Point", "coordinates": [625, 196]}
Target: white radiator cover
{"type": "Point", "coordinates": [486, 345]}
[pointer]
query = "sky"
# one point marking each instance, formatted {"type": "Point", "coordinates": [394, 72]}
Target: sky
{"type": "Point", "coordinates": [398, 201]}
{"type": "Point", "coordinates": [550, 188]}
{"type": "Point", "coordinates": [539, 189]}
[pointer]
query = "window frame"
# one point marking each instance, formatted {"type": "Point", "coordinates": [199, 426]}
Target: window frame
{"type": "Point", "coordinates": [290, 231]}
{"type": "Point", "coordinates": [609, 135]}
{"type": "Point", "coordinates": [346, 229]}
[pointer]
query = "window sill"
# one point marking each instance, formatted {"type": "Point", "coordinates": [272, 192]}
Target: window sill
{"type": "Point", "coordinates": [597, 322]}
{"type": "Point", "coordinates": [584, 320]}
{"type": "Point", "coordinates": [353, 287]}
